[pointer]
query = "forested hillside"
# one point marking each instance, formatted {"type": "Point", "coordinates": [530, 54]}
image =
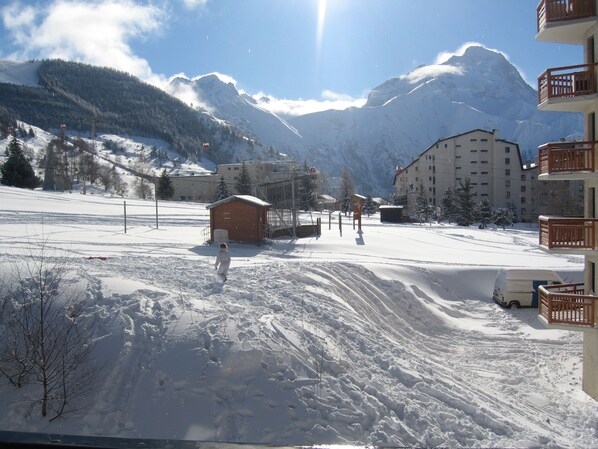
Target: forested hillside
{"type": "Point", "coordinates": [86, 97]}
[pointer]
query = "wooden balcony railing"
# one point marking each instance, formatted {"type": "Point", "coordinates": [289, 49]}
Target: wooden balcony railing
{"type": "Point", "coordinates": [565, 157]}
{"type": "Point", "coordinates": [567, 233]}
{"type": "Point", "coordinates": [563, 82]}
{"type": "Point", "coordinates": [566, 304]}
{"type": "Point", "coordinates": [559, 10]}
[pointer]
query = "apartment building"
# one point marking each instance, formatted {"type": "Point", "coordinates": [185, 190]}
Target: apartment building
{"type": "Point", "coordinates": [572, 89]}
{"type": "Point", "coordinates": [264, 174]}
{"type": "Point", "coordinates": [493, 165]}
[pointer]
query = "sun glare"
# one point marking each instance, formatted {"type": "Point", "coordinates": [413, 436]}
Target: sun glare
{"type": "Point", "coordinates": [321, 22]}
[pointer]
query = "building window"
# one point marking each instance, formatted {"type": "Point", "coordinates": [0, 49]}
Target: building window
{"type": "Point", "coordinates": [523, 177]}
{"type": "Point", "coordinates": [474, 162]}
{"type": "Point", "coordinates": [522, 189]}
{"type": "Point", "coordinates": [484, 194]}
{"type": "Point", "coordinates": [508, 194]}
{"type": "Point", "coordinates": [473, 151]}
{"type": "Point", "coordinates": [507, 161]}
{"type": "Point", "coordinates": [507, 172]}
{"type": "Point", "coordinates": [457, 157]}
{"type": "Point", "coordinates": [523, 211]}
{"type": "Point", "coordinates": [457, 146]}
{"type": "Point", "coordinates": [483, 140]}
{"type": "Point", "coordinates": [474, 172]}
{"type": "Point", "coordinates": [483, 151]}
{"type": "Point", "coordinates": [457, 168]}
{"type": "Point", "coordinates": [507, 149]}
{"type": "Point", "coordinates": [483, 162]}
{"type": "Point", "coordinates": [484, 183]}
{"type": "Point", "coordinates": [507, 183]}
{"type": "Point", "coordinates": [473, 140]}
{"type": "Point", "coordinates": [522, 200]}
{"type": "Point", "coordinates": [484, 173]}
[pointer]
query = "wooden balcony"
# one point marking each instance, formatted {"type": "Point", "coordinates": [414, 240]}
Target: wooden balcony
{"type": "Point", "coordinates": [566, 304]}
{"type": "Point", "coordinates": [564, 20]}
{"type": "Point", "coordinates": [566, 157]}
{"type": "Point", "coordinates": [566, 83]}
{"type": "Point", "coordinates": [559, 233]}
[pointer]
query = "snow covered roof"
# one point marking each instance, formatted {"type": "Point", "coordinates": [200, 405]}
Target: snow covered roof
{"type": "Point", "coordinates": [325, 197]}
{"type": "Point", "coordinates": [244, 198]}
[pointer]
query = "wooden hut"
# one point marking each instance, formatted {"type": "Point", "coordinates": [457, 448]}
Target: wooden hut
{"type": "Point", "coordinates": [392, 214]}
{"type": "Point", "coordinates": [245, 217]}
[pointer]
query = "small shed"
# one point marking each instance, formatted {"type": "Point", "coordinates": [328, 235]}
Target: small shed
{"type": "Point", "coordinates": [358, 200]}
{"type": "Point", "coordinates": [245, 217]}
{"type": "Point", "coordinates": [392, 214]}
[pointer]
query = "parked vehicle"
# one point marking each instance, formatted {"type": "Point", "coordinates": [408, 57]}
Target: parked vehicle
{"type": "Point", "coordinates": [519, 287]}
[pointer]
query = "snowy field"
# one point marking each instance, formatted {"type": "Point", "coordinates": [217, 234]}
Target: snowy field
{"type": "Point", "coordinates": [387, 337]}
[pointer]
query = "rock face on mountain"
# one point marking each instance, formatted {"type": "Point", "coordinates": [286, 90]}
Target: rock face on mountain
{"type": "Point", "coordinates": [401, 118]}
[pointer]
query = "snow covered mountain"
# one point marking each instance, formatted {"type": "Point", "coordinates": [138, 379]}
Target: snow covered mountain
{"type": "Point", "coordinates": [402, 117]}
{"type": "Point", "coordinates": [242, 111]}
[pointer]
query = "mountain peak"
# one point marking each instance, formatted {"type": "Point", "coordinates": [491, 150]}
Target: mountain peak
{"type": "Point", "coordinates": [477, 66]}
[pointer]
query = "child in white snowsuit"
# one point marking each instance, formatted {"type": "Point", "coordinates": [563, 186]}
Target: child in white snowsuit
{"type": "Point", "coordinates": [222, 262]}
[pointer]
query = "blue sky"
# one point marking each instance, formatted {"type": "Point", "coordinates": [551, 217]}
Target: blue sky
{"type": "Point", "coordinates": [310, 53]}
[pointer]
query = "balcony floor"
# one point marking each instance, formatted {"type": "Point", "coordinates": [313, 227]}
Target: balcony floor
{"type": "Point", "coordinates": [580, 103]}
{"type": "Point", "coordinates": [566, 327]}
{"type": "Point", "coordinates": [566, 31]}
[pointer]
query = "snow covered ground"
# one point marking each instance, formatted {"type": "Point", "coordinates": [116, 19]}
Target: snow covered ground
{"type": "Point", "coordinates": [385, 337]}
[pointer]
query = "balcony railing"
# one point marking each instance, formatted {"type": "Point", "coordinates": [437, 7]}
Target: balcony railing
{"type": "Point", "coordinates": [566, 157]}
{"type": "Point", "coordinates": [558, 10]}
{"type": "Point", "coordinates": [567, 82]}
{"type": "Point", "coordinates": [567, 233]}
{"type": "Point", "coordinates": [566, 304]}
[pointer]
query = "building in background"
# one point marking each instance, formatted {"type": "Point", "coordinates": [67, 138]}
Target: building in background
{"type": "Point", "coordinates": [494, 167]}
{"type": "Point", "coordinates": [203, 188]}
{"type": "Point", "coordinates": [572, 89]}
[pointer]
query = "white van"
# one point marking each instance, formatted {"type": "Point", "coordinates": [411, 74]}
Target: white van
{"type": "Point", "coordinates": [519, 287]}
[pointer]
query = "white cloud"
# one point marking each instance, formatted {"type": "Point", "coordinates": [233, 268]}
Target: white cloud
{"type": "Point", "coordinates": [284, 107]}
{"type": "Point", "coordinates": [191, 4]}
{"type": "Point", "coordinates": [94, 32]}
{"type": "Point", "coordinates": [430, 71]}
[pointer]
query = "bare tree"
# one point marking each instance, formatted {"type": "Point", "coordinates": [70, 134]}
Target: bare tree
{"type": "Point", "coordinates": [45, 336]}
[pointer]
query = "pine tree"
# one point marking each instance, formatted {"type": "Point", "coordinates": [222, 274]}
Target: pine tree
{"type": "Point", "coordinates": [502, 217]}
{"type": "Point", "coordinates": [165, 189]}
{"type": "Point", "coordinates": [346, 203]}
{"type": "Point", "coordinates": [484, 213]}
{"type": "Point", "coordinates": [16, 170]}
{"type": "Point", "coordinates": [243, 185]}
{"type": "Point", "coordinates": [222, 189]}
{"type": "Point", "coordinates": [449, 207]}
{"type": "Point", "coordinates": [49, 170]}
{"type": "Point", "coordinates": [369, 208]}
{"type": "Point", "coordinates": [465, 203]}
{"type": "Point", "coordinates": [513, 211]}
{"type": "Point", "coordinates": [423, 208]}
{"type": "Point", "coordinates": [308, 197]}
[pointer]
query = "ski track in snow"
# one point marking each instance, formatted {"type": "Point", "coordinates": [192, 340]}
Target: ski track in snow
{"type": "Point", "coordinates": [352, 357]}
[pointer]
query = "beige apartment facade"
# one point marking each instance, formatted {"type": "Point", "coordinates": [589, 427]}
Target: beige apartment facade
{"type": "Point", "coordinates": [204, 188]}
{"type": "Point", "coordinates": [572, 89]}
{"type": "Point", "coordinates": [493, 165]}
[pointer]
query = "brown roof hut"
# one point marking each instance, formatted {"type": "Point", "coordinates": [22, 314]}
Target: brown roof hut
{"type": "Point", "coordinates": [245, 217]}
